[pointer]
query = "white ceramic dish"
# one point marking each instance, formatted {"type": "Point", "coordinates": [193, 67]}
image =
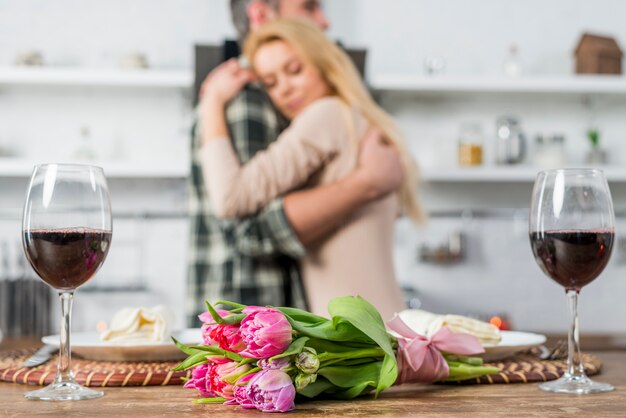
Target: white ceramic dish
{"type": "Point", "coordinates": [512, 343]}
{"type": "Point", "coordinates": [89, 346]}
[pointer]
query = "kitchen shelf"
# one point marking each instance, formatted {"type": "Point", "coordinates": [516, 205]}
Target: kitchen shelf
{"type": "Point", "coordinates": [17, 168]}
{"type": "Point", "coordinates": [574, 84]}
{"type": "Point", "coordinates": [495, 174]}
{"type": "Point", "coordinates": [84, 77]}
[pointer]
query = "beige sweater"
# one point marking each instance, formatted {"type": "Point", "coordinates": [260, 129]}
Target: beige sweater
{"type": "Point", "coordinates": [319, 147]}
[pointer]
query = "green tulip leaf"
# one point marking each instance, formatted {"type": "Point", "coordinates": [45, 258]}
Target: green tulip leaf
{"type": "Point", "coordinates": [363, 316]}
{"type": "Point", "coordinates": [355, 391]}
{"type": "Point", "coordinates": [317, 327]}
{"type": "Point", "coordinates": [295, 347]}
{"type": "Point", "coordinates": [348, 376]}
{"type": "Point", "coordinates": [316, 388]}
{"type": "Point", "coordinates": [193, 360]}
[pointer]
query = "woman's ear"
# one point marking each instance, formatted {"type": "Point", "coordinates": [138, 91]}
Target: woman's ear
{"type": "Point", "coordinates": [259, 13]}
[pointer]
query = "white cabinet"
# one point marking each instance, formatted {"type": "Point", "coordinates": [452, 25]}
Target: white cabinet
{"type": "Point", "coordinates": [580, 84]}
{"type": "Point", "coordinates": [137, 121]}
{"type": "Point", "coordinates": [22, 167]}
{"type": "Point", "coordinates": [76, 77]}
{"type": "Point", "coordinates": [504, 174]}
{"type": "Point", "coordinates": [430, 111]}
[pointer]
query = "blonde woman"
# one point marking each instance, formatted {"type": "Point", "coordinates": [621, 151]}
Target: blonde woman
{"type": "Point", "coordinates": [313, 84]}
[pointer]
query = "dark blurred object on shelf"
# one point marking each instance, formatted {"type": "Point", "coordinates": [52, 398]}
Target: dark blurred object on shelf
{"type": "Point", "coordinates": [25, 308]}
{"type": "Point", "coordinates": [25, 301]}
{"type": "Point", "coordinates": [598, 55]}
{"type": "Point", "coordinates": [452, 251]}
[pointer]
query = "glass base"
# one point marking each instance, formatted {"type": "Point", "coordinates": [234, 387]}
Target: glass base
{"type": "Point", "coordinates": [575, 384]}
{"type": "Point", "coordinates": [63, 391]}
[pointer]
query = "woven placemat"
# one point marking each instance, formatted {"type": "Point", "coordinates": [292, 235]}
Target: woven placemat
{"type": "Point", "coordinates": [90, 372]}
{"type": "Point", "coordinates": [527, 368]}
{"type": "Point", "coordinates": [518, 369]}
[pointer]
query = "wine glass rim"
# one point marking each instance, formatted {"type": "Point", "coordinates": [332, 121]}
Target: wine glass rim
{"type": "Point", "coordinates": [571, 170]}
{"type": "Point", "coordinates": [69, 166]}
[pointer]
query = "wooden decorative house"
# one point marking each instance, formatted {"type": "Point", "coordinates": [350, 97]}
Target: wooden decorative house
{"type": "Point", "coordinates": [598, 55]}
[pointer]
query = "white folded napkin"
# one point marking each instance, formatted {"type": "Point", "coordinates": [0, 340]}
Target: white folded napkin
{"type": "Point", "coordinates": [132, 325]}
{"type": "Point", "coordinates": [428, 323]}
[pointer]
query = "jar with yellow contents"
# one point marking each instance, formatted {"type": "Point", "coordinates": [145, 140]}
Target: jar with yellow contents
{"type": "Point", "coordinates": [471, 144]}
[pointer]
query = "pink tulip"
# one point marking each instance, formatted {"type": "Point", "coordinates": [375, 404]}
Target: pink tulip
{"type": "Point", "coordinates": [198, 381]}
{"type": "Point", "coordinates": [216, 377]}
{"type": "Point", "coordinates": [282, 363]}
{"type": "Point", "coordinates": [240, 393]}
{"type": "Point", "coordinates": [271, 391]}
{"type": "Point", "coordinates": [266, 332]}
{"type": "Point", "coordinates": [227, 337]}
{"type": "Point", "coordinates": [223, 373]}
{"type": "Point", "coordinates": [208, 324]}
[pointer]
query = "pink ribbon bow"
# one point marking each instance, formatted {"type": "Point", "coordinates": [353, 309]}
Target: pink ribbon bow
{"type": "Point", "coordinates": [420, 359]}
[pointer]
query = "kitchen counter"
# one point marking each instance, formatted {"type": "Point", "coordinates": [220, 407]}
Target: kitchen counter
{"type": "Point", "coordinates": [402, 401]}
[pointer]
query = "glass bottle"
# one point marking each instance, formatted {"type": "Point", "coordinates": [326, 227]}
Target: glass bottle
{"type": "Point", "coordinates": [512, 65]}
{"type": "Point", "coordinates": [85, 150]}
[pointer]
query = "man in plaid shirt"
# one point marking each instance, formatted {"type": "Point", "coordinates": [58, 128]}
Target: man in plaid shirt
{"type": "Point", "coordinates": [254, 260]}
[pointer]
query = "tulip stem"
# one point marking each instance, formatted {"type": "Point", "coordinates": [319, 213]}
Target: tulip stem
{"type": "Point", "coordinates": [253, 370]}
{"type": "Point", "coordinates": [217, 399]}
{"type": "Point", "coordinates": [362, 353]}
{"type": "Point", "coordinates": [229, 303]}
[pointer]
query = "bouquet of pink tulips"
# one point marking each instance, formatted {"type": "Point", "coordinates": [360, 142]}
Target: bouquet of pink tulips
{"type": "Point", "coordinates": [263, 357]}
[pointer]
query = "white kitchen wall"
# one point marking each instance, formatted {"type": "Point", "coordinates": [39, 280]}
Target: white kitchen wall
{"type": "Point", "coordinates": [499, 276]}
{"type": "Point", "coordinates": [474, 36]}
{"type": "Point", "coordinates": [471, 37]}
{"type": "Point", "coordinates": [97, 33]}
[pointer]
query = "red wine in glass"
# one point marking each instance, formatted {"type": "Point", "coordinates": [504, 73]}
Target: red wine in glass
{"type": "Point", "coordinates": [572, 258]}
{"type": "Point", "coordinates": [66, 234]}
{"type": "Point", "coordinates": [66, 258]}
{"type": "Point", "coordinates": [571, 231]}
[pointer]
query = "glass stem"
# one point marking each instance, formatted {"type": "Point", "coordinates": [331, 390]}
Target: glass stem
{"type": "Point", "coordinates": [574, 363]}
{"type": "Point", "coordinates": [64, 366]}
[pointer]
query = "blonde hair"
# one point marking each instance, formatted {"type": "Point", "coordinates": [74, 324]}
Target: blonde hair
{"type": "Point", "coordinates": [339, 72]}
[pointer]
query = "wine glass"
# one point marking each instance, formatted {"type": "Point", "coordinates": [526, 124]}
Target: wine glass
{"type": "Point", "coordinates": [572, 230]}
{"type": "Point", "coordinates": [66, 234]}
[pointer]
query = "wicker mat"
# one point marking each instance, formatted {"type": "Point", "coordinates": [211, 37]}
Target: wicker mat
{"type": "Point", "coordinates": [518, 369]}
{"type": "Point", "coordinates": [89, 372]}
{"type": "Point", "coordinates": [527, 368]}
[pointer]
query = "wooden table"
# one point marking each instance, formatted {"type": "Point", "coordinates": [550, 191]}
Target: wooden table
{"type": "Point", "coordinates": [403, 401]}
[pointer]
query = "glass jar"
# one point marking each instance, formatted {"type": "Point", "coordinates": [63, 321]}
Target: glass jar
{"type": "Point", "coordinates": [471, 144]}
{"type": "Point", "coordinates": [550, 151]}
{"type": "Point", "coordinates": [510, 141]}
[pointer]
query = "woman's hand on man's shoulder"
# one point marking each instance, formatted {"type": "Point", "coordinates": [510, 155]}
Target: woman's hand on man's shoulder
{"type": "Point", "coordinates": [224, 82]}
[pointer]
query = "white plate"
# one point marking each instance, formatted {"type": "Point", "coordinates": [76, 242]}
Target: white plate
{"type": "Point", "coordinates": [89, 346]}
{"type": "Point", "coordinates": [512, 343]}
